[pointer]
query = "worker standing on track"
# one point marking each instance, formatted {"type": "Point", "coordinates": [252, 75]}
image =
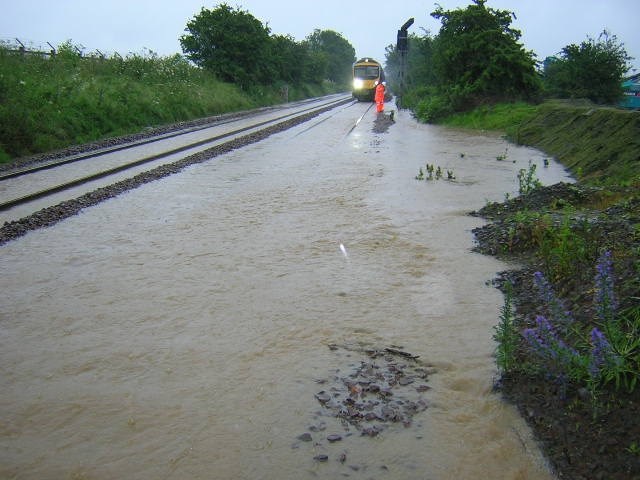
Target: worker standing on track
{"type": "Point", "coordinates": [379, 97]}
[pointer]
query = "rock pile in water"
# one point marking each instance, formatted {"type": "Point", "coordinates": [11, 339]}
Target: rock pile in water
{"type": "Point", "coordinates": [376, 393]}
{"type": "Point", "coordinates": [387, 387]}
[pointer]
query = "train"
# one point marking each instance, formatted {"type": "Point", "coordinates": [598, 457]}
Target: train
{"type": "Point", "coordinates": [366, 74]}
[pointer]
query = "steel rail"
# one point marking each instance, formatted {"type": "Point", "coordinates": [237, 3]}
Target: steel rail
{"type": "Point", "coordinates": [136, 143]}
{"type": "Point", "coordinates": [7, 205]}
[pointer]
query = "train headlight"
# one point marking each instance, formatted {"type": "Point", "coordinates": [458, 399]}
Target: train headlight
{"type": "Point", "coordinates": [358, 83]}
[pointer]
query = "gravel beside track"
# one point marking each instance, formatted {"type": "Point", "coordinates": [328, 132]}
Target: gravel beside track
{"type": "Point", "coordinates": [52, 215]}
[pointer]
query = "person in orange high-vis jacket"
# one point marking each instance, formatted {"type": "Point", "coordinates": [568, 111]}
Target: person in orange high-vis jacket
{"type": "Point", "coordinates": [379, 97]}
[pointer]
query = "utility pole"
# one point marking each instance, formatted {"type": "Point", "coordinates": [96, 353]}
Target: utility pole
{"type": "Point", "coordinates": [402, 46]}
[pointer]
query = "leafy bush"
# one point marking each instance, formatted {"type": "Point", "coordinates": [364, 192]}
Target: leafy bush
{"type": "Point", "coordinates": [594, 70]}
{"type": "Point", "coordinates": [433, 108]}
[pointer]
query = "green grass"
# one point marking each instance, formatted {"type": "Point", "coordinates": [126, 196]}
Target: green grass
{"type": "Point", "coordinates": [51, 103]}
{"type": "Point", "coordinates": [505, 117]}
{"type": "Point", "coordinates": [599, 145]}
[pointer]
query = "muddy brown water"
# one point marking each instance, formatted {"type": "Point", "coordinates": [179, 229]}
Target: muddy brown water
{"type": "Point", "coordinates": [182, 330]}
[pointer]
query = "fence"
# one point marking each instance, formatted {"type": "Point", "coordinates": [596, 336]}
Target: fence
{"type": "Point", "coordinates": [26, 47]}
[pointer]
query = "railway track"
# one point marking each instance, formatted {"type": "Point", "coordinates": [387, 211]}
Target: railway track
{"type": "Point", "coordinates": [60, 189]}
{"type": "Point", "coordinates": [22, 186]}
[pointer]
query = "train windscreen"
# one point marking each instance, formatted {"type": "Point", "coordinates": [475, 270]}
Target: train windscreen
{"type": "Point", "coordinates": [368, 72]}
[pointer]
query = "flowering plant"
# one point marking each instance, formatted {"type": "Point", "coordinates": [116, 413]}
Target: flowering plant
{"type": "Point", "coordinates": [609, 353]}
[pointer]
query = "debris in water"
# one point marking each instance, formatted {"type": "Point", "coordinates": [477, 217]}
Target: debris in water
{"type": "Point", "coordinates": [323, 397]}
{"type": "Point", "coordinates": [377, 392]}
{"type": "Point", "coordinates": [384, 387]}
{"type": "Point", "coordinates": [395, 351]}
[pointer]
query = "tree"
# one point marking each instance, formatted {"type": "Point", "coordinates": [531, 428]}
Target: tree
{"type": "Point", "coordinates": [419, 66]}
{"type": "Point", "coordinates": [231, 43]}
{"type": "Point", "coordinates": [593, 70]}
{"type": "Point", "coordinates": [332, 50]}
{"type": "Point", "coordinates": [290, 59]}
{"type": "Point", "coordinates": [477, 57]}
{"type": "Point", "coordinates": [238, 48]}
{"type": "Point", "coordinates": [474, 59]}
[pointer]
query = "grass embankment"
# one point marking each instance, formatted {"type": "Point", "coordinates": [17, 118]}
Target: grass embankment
{"type": "Point", "coordinates": [52, 103]}
{"type": "Point", "coordinates": [568, 338]}
{"type": "Point", "coordinates": [505, 117]}
{"type": "Point", "coordinates": [600, 145]}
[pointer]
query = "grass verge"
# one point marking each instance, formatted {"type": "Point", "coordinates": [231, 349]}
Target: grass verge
{"type": "Point", "coordinates": [51, 103]}
{"type": "Point", "coordinates": [505, 117]}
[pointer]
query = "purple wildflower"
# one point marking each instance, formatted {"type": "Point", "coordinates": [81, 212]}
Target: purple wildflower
{"type": "Point", "coordinates": [605, 298]}
{"type": "Point", "coordinates": [546, 343]}
{"type": "Point", "coordinates": [554, 305]}
{"type": "Point", "coordinates": [599, 348]}
{"type": "Point", "coordinates": [544, 289]}
{"type": "Point", "coordinates": [602, 355]}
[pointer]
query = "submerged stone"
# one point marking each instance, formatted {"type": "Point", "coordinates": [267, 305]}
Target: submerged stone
{"type": "Point", "coordinates": [323, 396]}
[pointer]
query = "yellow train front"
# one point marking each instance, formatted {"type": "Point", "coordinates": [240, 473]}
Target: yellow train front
{"type": "Point", "coordinates": [366, 75]}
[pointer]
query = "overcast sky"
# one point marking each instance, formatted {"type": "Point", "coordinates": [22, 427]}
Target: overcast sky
{"type": "Point", "coordinates": [126, 26]}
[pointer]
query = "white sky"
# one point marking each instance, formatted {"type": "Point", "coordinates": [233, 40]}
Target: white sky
{"type": "Point", "coordinates": [126, 26]}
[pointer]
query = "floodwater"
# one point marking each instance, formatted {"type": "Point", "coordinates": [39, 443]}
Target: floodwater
{"type": "Point", "coordinates": [181, 331]}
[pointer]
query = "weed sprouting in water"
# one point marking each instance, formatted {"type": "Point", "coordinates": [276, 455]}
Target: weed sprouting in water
{"type": "Point", "coordinates": [528, 180]}
{"type": "Point", "coordinates": [434, 172]}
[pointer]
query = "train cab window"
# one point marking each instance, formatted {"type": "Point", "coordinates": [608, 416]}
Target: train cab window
{"type": "Point", "coordinates": [366, 72]}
